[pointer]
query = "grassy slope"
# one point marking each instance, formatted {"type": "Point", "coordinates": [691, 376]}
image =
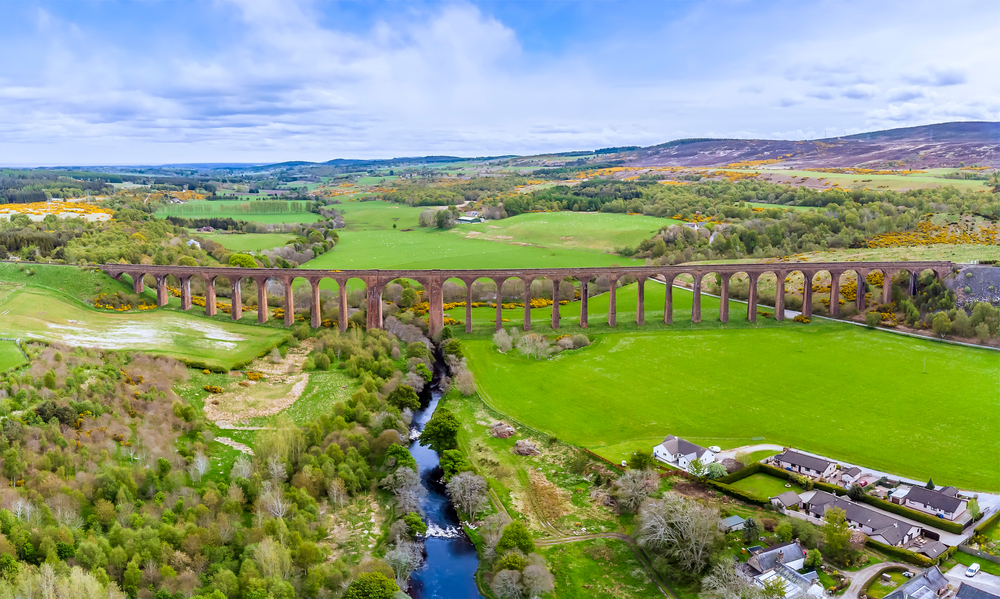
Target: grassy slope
{"type": "Point", "coordinates": [11, 356]}
{"type": "Point", "coordinates": [224, 209]}
{"type": "Point", "coordinates": [571, 230]}
{"type": "Point", "coordinates": [71, 281]}
{"type": "Point", "coordinates": [42, 314]}
{"type": "Point", "coordinates": [891, 182]}
{"type": "Point", "coordinates": [250, 242]}
{"type": "Point", "coordinates": [832, 388]}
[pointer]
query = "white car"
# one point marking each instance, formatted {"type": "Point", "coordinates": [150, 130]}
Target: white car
{"type": "Point", "coordinates": [972, 571]}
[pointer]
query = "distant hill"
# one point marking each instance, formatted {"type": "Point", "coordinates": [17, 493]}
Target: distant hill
{"type": "Point", "coordinates": [927, 146]}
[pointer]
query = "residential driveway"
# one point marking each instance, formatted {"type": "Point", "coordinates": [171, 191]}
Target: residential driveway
{"type": "Point", "coordinates": [983, 581]}
{"type": "Point", "coordinates": [859, 578]}
{"type": "Point", "coordinates": [731, 453]}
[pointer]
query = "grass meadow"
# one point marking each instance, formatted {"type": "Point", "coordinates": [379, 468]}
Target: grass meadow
{"type": "Point", "coordinates": [231, 209]}
{"type": "Point", "coordinates": [249, 242]}
{"type": "Point", "coordinates": [907, 406]}
{"type": "Point", "coordinates": [32, 313]}
{"type": "Point", "coordinates": [11, 355]}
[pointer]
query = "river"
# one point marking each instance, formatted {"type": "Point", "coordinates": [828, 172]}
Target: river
{"type": "Point", "coordinates": [450, 568]}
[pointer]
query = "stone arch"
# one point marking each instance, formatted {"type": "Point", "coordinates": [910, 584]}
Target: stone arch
{"type": "Point", "coordinates": [752, 276]}
{"type": "Point", "coordinates": [792, 295]}
{"type": "Point", "coordinates": [390, 289]}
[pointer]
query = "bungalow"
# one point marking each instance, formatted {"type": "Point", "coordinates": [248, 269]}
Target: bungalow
{"type": "Point", "coordinates": [925, 586]}
{"type": "Point", "coordinates": [878, 526]}
{"type": "Point", "coordinates": [732, 523]}
{"type": "Point", "coordinates": [850, 476]}
{"type": "Point", "coordinates": [681, 453]}
{"type": "Point", "coordinates": [965, 591]}
{"type": "Point", "coordinates": [801, 463]}
{"type": "Point", "coordinates": [786, 500]}
{"type": "Point", "coordinates": [943, 504]}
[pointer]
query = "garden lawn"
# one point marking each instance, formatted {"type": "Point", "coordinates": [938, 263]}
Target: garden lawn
{"type": "Point", "coordinates": [11, 356]}
{"type": "Point", "coordinates": [249, 242]}
{"type": "Point", "coordinates": [879, 589]}
{"type": "Point", "coordinates": [839, 390]}
{"type": "Point", "coordinates": [41, 314]}
{"type": "Point", "coordinates": [763, 486]}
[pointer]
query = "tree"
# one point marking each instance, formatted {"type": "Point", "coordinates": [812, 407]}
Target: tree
{"type": "Point", "coordinates": [130, 581]}
{"type": "Point", "coordinates": [506, 584]}
{"type": "Point", "coordinates": [633, 487]}
{"type": "Point", "coordinates": [751, 531]}
{"type": "Point", "coordinates": [468, 492]}
{"type": "Point", "coordinates": [723, 582]}
{"type": "Point", "coordinates": [784, 532]}
{"type": "Point", "coordinates": [814, 559]}
{"type": "Point", "coordinates": [405, 485]}
{"type": "Point", "coordinates": [441, 432]}
{"type": "Point", "coordinates": [973, 508]}
{"type": "Point", "coordinates": [941, 324]}
{"type": "Point", "coordinates": [856, 492]}
{"type": "Point", "coordinates": [697, 468]}
{"type": "Point", "coordinates": [836, 533]}
{"type": "Point", "coordinates": [452, 462]}
{"type": "Point", "coordinates": [371, 585]}
{"type": "Point", "coordinates": [716, 470]}
{"type": "Point", "coordinates": [242, 261]}
{"type": "Point", "coordinates": [873, 319]}
{"type": "Point", "coordinates": [536, 577]}
{"type": "Point", "coordinates": [930, 484]}
{"type": "Point", "coordinates": [640, 460]}
{"type": "Point", "coordinates": [403, 397]}
{"type": "Point", "coordinates": [404, 558]}
{"type": "Point", "coordinates": [681, 530]}
{"type": "Point", "coordinates": [515, 536]}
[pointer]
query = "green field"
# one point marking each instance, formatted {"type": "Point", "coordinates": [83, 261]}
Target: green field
{"type": "Point", "coordinates": [911, 407]}
{"type": "Point", "coordinates": [236, 209]}
{"type": "Point", "coordinates": [28, 313]}
{"type": "Point", "coordinates": [764, 486]}
{"type": "Point", "coordinates": [77, 283]}
{"type": "Point", "coordinates": [572, 230]}
{"type": "Point", "coordinates": [369, 241]}
{"type": "Point", "coordinates": [11, 356]}
{"type": "Point", "coordinates": [249, 242]}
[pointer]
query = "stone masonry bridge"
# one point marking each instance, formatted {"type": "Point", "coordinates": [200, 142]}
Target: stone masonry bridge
{"type": "Point", "coordinates": [375, 282]}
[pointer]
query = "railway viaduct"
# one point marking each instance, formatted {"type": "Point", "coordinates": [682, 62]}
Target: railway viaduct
{"type": "Point", "coordinates": [433, 281]}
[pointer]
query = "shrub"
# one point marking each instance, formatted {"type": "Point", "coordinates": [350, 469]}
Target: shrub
{"type": "Point", "coordinates": [873, 319]}
{"type": "Point", "coordinates": [907, 556]}
{"type": "Point", "coordinates": [515, 536]}
{"type": "Point", "coordinates": [242, 261]}
{"type": "Point", "coordinates": [213, 389]}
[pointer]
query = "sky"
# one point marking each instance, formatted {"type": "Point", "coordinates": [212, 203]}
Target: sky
{"type": "Point", "coordinates": [162, 82]}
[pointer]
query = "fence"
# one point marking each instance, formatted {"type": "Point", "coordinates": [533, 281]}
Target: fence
{"type": "Point", "coordinates": [980, 554]}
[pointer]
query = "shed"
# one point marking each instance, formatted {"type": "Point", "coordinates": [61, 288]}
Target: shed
{"type": "Point", "coordinates": [733, 523]}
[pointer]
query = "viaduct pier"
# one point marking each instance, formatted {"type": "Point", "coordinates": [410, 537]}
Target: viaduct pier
{"type": "Point", "coordinates": [433, 281]}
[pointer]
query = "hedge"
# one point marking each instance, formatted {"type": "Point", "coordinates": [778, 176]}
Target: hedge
{"type": "Point", "coordinates": [945, 525]}
{"type": "Point", "coordinates": [988, 523]}
{"type": "Point", "coordinates": [907, 556]}
{"type": "Point", "coordinates": [879, 574]}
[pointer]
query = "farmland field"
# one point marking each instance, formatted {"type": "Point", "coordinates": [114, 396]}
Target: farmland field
{"type": "Point", "coordinates": [907, 406]}
{"type": "Point", "coordinates": [249, 242]}
{"type": "Point", "coordinates": [11, 355]}
{"type": "Point", "coordinates": [242, 210]}
{"type": "Point", "coordinates": [39, 314]}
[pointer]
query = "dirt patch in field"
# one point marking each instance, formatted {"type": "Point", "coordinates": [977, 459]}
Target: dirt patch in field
{"type": "Point", "coordinates": [283, 383]}
{"type": "Point", "coordinates": [692, 489]}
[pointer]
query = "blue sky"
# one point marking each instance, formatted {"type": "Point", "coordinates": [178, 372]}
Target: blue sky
{"type": "Point", "coordinates": [103, 82]}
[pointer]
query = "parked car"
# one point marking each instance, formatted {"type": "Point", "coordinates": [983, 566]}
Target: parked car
{"type": "Point", "coordinates": [972, 571]}
{"type": "Point", "coordinates": [908, 574]}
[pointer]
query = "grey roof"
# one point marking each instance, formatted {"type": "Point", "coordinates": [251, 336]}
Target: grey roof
{"type": "Point", "coordinates": [675, 445]}
{"type": "Point", "coordinates": [932, 550]}
{"type": "Point", "coordinates": [970, 592]}
{"type": "Point", "coordinates": [935, 499]}
{"type": "Point", "coordinates": [949, 491]}
{"type": "Point", "coordinates": [733, 521]}
{"type": "Point", "coordinates": [789, 552]}
{"type": "Point", "coordinates": [788, 498]}
{"type": "Point", "coordinates": [924, 586]}
{"type": "Point", "coordinates": [889, 528]}
{"type": "Point", "coordinates": [855, 471]}
{"type": "Point", "coordinates": [804, 461]}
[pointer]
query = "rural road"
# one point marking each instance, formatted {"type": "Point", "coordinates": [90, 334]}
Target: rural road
{"type": "Point", "coordinates": [731, 453]}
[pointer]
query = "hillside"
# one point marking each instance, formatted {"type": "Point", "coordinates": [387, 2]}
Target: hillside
{"type": "Point", "coordinates": [928, 146]}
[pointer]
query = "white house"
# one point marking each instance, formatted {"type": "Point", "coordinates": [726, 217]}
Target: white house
{"type": "Point", "coordinates": [944, 503]}
{"type": "Point", "coordinates": [808, 465]}
{"type": "Point", "coordinates": [850, 476]}
{"type": "Point", "coordinates": [678, 452]}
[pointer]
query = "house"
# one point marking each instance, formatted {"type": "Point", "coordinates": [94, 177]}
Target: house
{"type": "Point", "coordinates": [850, 476]}
{"type": "Point", "coordinates": [965, 591]}
{"type": "Point", "coordinates": [681, 453]}
{"type": "Point", "coordinates": [786, 500]}
{"type": "Point", "coordinates": [782, 562]}
{"type": "Point", "coordinates": [808, 465]}
{"type": "Point", "coordinates": [790, 554]}
{"type": "Point", "coordinates": [194, 243]}
{"type": "Point", "coordinates": [469, 220]}
{"type": "Point", "coordinates": [733, 523]}
{"type": "Point", "coordinates": [925, 586]}
{"type": "Point", "coordinates": [878, 526]}
{"type": "Point", "coordinates": [943, 504]}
